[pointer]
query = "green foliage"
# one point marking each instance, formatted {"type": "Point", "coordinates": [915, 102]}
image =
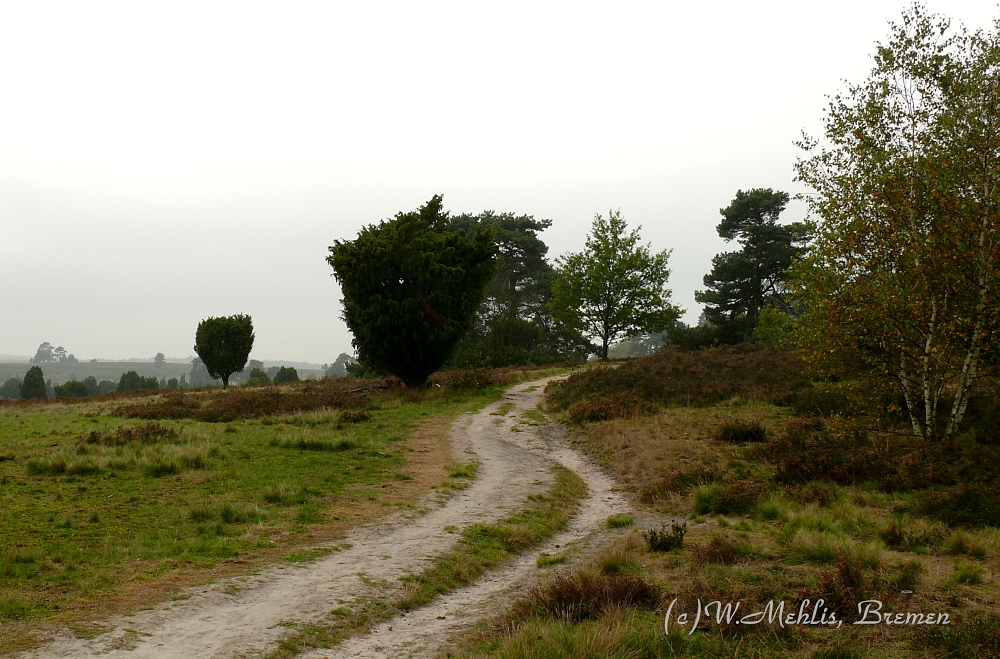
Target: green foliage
{"type": "Point", "coordinates": [285, 374]}
{"type": "Point", "coordinates": [257, 377]}
{"type": "Point", "coordinates": [514, 324]}
{"type": "Point", "coordinates": [743, 283]}
{"type": "Point", "coordinates": [33, 385]}
{"type": "Point", "coordinates": [339, 368]}
{"type": "Point", "coordinates": [615, 287]}
{"type": "Point", "coordinates": [774, 326]}
{"type": "Point", "coordinates": [132, 381]}
{"type": "Point", "coordinates": [224, 344]}
{"type": "Point", "coordinates": [91, 383]}
{"type": "Point", "coordinates": [73, 388]}
{"type": "Point", "coordinates": [11, 389]}
{"type": "Point", "coordinates": [902, 284]}
{"type": "Point", "coordinates": [411, 288]}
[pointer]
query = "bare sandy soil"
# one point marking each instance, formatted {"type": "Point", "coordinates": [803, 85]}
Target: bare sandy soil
{"type": "Point", "coordinates": [246, 617]}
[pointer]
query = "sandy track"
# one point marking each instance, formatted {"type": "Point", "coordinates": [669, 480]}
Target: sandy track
{"type": "Point", "coordinates": [246, 620]}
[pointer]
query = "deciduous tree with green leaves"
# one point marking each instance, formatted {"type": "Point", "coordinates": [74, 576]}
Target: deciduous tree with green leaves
{"type": "Point", "coordinates": [615, 287]}
{"type": "Point", "coordinates": [411, 288]}
{"type": "Point", "coordinates": [902, 282]}
{"type": "Point", "coordinates": [224, 344]}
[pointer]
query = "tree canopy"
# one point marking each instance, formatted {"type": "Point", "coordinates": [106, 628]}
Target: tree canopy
{"type": "Point", "coordinates": [514, 324]}
{"type": "Point", "coordinates": [902, 282]}
{"type": "Point", "coordinates": [33, 384]}
{"type": "Point", "coordinates": [132, 381]}
{"type": "Point", "coordinates": [224, 344]}
{"type": "Point", "coordinates": [742, 283]}
{"type": "Point", "coordinates": [615, 287]}
{"type": "Point", "coordinates": [411, 288]}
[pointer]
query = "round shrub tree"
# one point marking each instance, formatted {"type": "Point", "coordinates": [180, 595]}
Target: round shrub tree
{"type": "Point", "coordinates": [257, 377]}
{"type": "Point", "coordinates": [224, 344]}
{"type": "Point", "coordinates": [412, 286]}
{"type": "Point", "coordinates": [285, 374]}
{"type": "Point", "coordinates": [33, 385]}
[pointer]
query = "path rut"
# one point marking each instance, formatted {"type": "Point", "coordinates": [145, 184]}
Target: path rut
{"type": "Point", "coordinates": [514, 458]}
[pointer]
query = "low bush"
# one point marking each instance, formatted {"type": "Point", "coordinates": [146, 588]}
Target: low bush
{"type": "Point", "coordinates": [585, 597]}
{"type": "Point", "coordinates": [72, 389]}
{"type": "Point", "coordinates": [147, 433]}
{"type": "Point", "coordinates": [664, 539]}
{"type": "Point", "coordinates": [967, 504]}
{"type": "Point", "coordinates": [612, 406]}
{"type": "Point", "coordinates": [249, 402]}
{"type": "Point", "coordinates": [741, 432]}
{"type": "Point", "coordinates": [843, 586]}
{"type": "Point", "coordinates": [733, 497]}
{"type": "Point", "coordinates": [724, 550]}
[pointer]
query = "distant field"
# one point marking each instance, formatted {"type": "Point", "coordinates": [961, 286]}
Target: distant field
{"type": "Point", "coordinates": [112, 371]}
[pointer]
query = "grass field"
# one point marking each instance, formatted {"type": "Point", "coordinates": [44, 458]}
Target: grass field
{"type": "Point", "coordinates": [100, 512]}
{"type": "Point", "coordinates": [770, 517]}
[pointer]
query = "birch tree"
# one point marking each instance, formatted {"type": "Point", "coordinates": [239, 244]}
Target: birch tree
{"type": "Point", "coordinates": [902, 280]}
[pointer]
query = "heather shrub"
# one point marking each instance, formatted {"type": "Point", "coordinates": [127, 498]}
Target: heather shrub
{"type": "Point", "coordinates": [664, 538]}
{"type": "Point", "coordinates": [696, 378]}
{"type": "Point", "coordinates": [741, 432]}
{"type": "Point", "coordinates": [586, 597]}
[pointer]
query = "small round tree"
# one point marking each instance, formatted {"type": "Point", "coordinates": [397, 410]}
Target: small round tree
{"type": "Point", "coordinates": [224, 344]}
{"type": "Point", "coordinates": [33, 385]}
{"type": "Point", "coordinates": [286, 374]}
{"type": "Point", "coordinates": [257, 377]}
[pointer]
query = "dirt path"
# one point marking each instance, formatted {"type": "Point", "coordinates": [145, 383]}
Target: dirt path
{"type": "Point", "coordinates": [245, 618]}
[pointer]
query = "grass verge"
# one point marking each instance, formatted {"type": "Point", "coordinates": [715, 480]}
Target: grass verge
{"type": "Point", "coordinates": [481, 547]}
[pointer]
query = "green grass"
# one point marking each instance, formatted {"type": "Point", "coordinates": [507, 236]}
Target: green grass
{"type": "Point", "coordinates": [619, 521]}
{"type": "Point", "coordinates": [90, 502]}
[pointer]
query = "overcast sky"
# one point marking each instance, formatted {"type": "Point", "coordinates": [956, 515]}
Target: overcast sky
{"type": "Point", "coordinates": [165, 162]}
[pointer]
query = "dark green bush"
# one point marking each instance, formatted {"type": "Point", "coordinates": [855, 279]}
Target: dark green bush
{"type": "Point", "coordinates": [72, 389]}
{"type": "Point", "coordinates": [285, 375]}
{"type": "Point", "coordinates": [741, 432]}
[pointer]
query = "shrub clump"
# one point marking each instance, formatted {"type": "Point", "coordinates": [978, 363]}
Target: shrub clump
{"type": "Point", "coordinates": [741, 432]}
{"type": "Point", "coordinates": [664, 539]}
{"type": "Point", "coordinates": [723, 550]}
{"type": "Point", "coordinates": [613, 406]}
{"type": "Point", "coordinates": [586, 597]}
{"type": "Point", "coordinates": [696, 378]}
{"type": "Point", "coordinates": [248, 402]}
{"type": "Point", "coordinates": [733, 497]}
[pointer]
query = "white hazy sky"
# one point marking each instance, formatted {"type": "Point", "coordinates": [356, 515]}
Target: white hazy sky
{"type": "Point", "coordinates": [165, 162]}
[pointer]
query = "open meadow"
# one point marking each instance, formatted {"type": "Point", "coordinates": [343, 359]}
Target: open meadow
{"type": "Point", "coordinates": [114, 503]}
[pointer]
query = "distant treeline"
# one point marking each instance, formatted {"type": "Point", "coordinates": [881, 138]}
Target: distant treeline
{"type": "Point", "coordinates": [34, 383]}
